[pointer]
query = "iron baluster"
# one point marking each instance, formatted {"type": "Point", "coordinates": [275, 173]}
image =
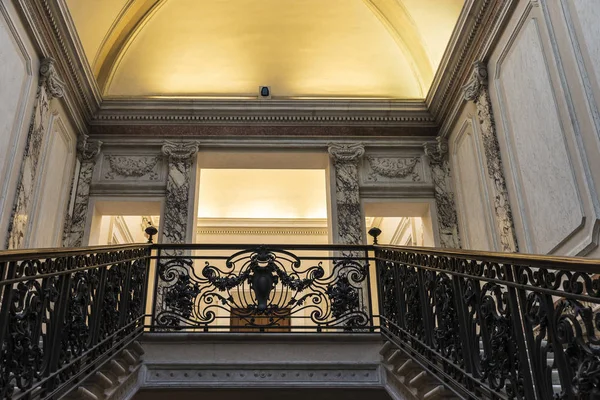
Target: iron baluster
{"type": "Point", "coordinates": [6, 293]}
{"type": "Point", "coordinates": [96, 313]}
{"type": "Point", "coordinates": [57, 325]}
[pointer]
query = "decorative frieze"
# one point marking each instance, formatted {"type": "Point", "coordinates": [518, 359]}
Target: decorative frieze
{"type": "Point", "coordinates": [390, 169]}
{"type": "Point", "coordinates": [437, 154]}
{"type": "Point", "coordinates": [87, 153]}
{"type": "Point", "coordinates": [131, 168]}
{"type": "Point", "coordinates": [50, 87]}
{"type": "Point", "coordinates": [249, 375]}
{"type": "Point", "coordinates": [180, 157]}
{"type": "Point", "coordinates": [477, 91]}
{"type": "Point", "coordinates": [347, 195]}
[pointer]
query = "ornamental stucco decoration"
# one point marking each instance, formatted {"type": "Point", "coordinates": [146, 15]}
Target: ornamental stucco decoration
{"type": "Point", "coordinates": [49, 79]}
{"type": "Point", "coordinates": [179, 151]}
{"type": "Point", "coordinates": [476, 90]}
{"type": "Point", "coordinates": [393, 168]}
{"type": "Point", "coordinates": [341, 152]}
{"type": "Point", "coordinates": [132, 167]}
{"type": "Point", "coordinates": [437, 154]}
{"type": "Point", "coordinates": [88, 150]}
{"type": "Point", "coordinates": [49, 86]}
{"type": "Point", "coordinates": [477, 83]}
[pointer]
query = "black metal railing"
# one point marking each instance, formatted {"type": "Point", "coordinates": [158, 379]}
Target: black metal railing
{"type": "Point", "coordinates": [488, 325]}
{"type": "Point", "coordinates": [494, 325]}
{"type": "Point", "coordinates": [262, 289]}
{"type": "Point", "coordinates": [64, 312]}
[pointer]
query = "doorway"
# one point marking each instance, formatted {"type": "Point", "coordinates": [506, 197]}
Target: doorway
{"type": "Point", "coordinates": [116, 221]}
{"type": "Point", "coordinates": [401, 223]}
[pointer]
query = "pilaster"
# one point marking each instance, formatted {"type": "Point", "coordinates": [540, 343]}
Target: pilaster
{"type": "Point", "coordinates": [349, 221]}
{"type": "Point", "coordinates": [177, 200]}
{"type": "Point", "coordinates": [477, 91]}
{"type": "Point", "coordinates": [50, 87]}
{"type": "Point", "coordinates": [87, 153]}
{"type": "Point", "coordinates": [437, 154]}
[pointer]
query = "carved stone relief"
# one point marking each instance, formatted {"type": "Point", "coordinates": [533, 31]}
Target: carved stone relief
{"type": "Point", "coordinates": [437, 154]}
{"type": "Point", "coordinates": [131, 167]}
{"type": "Point", "coordinates": [50, 87]}
{"type": "Point", "coordinates": [391, 169]}
{"type": "Point", "coordinates": [347, 195]}
{"type": "Point", "coordinates": [477, 91]}
{"type": "Point", "coordinates": [87, 152]}
{"type": "Point", "coordinates": [180, 158]}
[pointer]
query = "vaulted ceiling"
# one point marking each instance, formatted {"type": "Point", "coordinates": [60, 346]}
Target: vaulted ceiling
{"type": "Point", "coordinates": [300, 48]}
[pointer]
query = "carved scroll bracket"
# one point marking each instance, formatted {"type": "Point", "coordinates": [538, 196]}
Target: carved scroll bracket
{"type": "Point", "coordinates": [88, 150]}
{"type": "Point", "coordinates": [49, 79]}
{"type": "Point", "coordinates": [346, 152]}
{"type": "Point", "coordinates": [179, 151]}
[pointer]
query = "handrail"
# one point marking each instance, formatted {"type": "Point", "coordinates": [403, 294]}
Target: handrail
{"type": "Point", "coordinates": [533, 260]}
{"type": "Point", "coordinates": [65, 312]}
{"type": "Point", "coordinates": [494, 325]}
{"type": "Point", "coordinates": [51, 252]}
{"type": "Point", "coordinates": [486, 323]}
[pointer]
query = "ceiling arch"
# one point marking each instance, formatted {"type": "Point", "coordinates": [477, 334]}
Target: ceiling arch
{"type": "Point", "coordinates": [365, 65]}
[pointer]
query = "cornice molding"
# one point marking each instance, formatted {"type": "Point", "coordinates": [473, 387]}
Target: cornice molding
{"type": "Point", "coordinates": [259, 112]}
{"type": "Point", "coordinates": [51, 34]}
{"type": "Point", "coordinates": [262, 226]}
{"type": "Point", "coordinates": [479, 28]}
{"type": "Point", "coordinates": [477, 31]}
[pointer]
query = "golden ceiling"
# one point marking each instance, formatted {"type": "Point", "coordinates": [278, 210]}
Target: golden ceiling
{"type": "Point", "coordinates": [300, 48]}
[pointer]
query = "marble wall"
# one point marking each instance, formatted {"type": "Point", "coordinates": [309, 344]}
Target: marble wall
{"type": "Point", "coordinates": [50, 87]}
{"type": "Point", "coordinates": [473, 203]}
{"type": "Point", "coordinates": [53, 184]}
{"type": "Point", "coordinates": [544, 93]}
{"type": "Point", "coordinates": [19, 72]}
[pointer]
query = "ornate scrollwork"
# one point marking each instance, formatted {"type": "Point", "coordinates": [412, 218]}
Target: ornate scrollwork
{"type": "Point", "coordinates": [137, 167]}
{"type": "Point", "coordinates": [414, 310]}
{"type": "Point", "coordinates": [265, 283]}
{"type": "Point", "coordinates": [446, 333]}
{"type": "Point", "coordinates": [60, 312]}
{"type": "Point", "coordinates": [50, 80]}
{"type": "Point", "coordinates": [394, 168]}
{"type": "Point", "coordinates": [346, 152]}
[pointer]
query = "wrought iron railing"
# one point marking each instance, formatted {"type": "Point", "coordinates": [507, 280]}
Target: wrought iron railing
{"type": "Point", "coordinates": [494, 325]}
{"type": "Point", "coordinates": [488, 325]}
{"type": "Point", "coordinates": [64, 312]}
{"type": "Point", "coordinates": [291, 288]}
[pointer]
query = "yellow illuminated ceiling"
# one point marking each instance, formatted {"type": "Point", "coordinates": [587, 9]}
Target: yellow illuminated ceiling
{"type": "Point", "coordinates": [301, 48]}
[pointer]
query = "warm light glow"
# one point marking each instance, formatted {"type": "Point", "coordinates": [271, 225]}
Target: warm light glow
{"type": "Point", "coordinates": [302, 49]}
{"type": "Point", "coordinates": [262, 193]}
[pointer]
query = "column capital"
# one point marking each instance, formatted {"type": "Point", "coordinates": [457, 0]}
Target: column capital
{"type": "Point", "coordinates": [88, 150]}
{"type": "Point", "coordinates": [55, 87]}
{"type": "Point", "coordinates": [436, 151]}
{"type": "Point", "coordinates": [477, 83]}
{"type": "Point", "coordinates": [179, 151]}
{"type": "Point", "coordinates": [346, 151]}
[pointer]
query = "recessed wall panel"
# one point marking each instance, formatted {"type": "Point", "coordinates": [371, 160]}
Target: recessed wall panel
{"type": "Point", "coordinates": [471, 196]}
{"type": "Point", "coordinates": [541, 166]}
